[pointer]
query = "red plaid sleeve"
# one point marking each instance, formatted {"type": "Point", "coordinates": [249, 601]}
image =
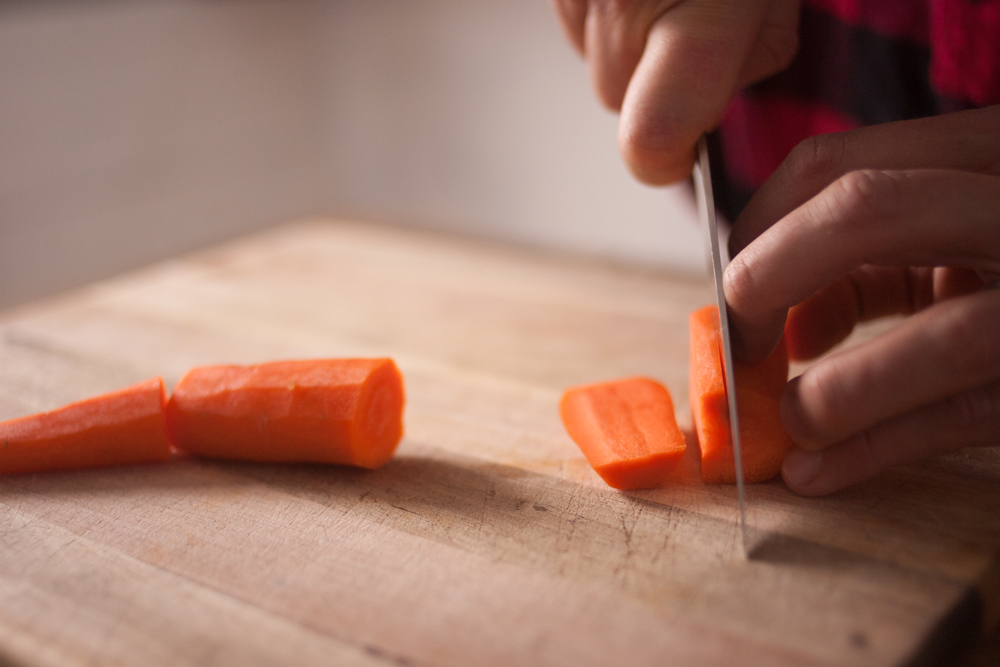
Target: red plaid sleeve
{"type": "Point", "coordinates": [860, 62]}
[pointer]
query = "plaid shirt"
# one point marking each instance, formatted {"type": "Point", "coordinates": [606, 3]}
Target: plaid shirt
{"type": "Point", "coordinates": [860, 62]}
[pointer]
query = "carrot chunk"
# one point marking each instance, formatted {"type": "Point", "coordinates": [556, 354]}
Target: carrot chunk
{"type": "Point", "coordinates": [626, 429]}
{"type": "Point", "coordinates": [758, 390]}
{"type": "Point", "coordinates": [120, 428]}
{"type": "Point", "coordinates": [347, 411]}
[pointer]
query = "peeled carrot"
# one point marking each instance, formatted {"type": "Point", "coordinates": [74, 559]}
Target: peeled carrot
{"type": "Point", "coordinates": [347, 411]}
{"type": "Point", "coordinates": [120, 428]}
{"type": "Point", "coordinates": [763, 440]}
{"type": "Point", "coordinates": [626, 429]}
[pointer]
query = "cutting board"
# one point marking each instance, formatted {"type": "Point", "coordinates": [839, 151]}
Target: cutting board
{"type": "Point", "coordinates": [487, 540]}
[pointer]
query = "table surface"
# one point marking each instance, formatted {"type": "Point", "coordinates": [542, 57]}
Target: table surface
{"type": "Point", "coordinates": [487, 540]}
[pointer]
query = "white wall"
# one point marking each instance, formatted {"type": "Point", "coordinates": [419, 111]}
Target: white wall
{"type": "Point", "coordinates": [133, 130]}
{"type": "Point", "coordinates": [130, 131]}
{"type": "Point", "coordinates": [476, 116]}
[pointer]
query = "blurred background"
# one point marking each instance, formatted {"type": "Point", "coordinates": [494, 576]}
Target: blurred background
{"type": "Point", "coordinates": [135, 129]}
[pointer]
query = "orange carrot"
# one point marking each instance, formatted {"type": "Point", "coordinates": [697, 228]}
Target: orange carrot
{"type": "Point", "coordinates": [626, 429]}
{"type": "Point", "coordinates": [120, 428]}
{"type": "Point", "coordinates": [346, 411]}
{"type": "Point", "coordinates": [758, 390]}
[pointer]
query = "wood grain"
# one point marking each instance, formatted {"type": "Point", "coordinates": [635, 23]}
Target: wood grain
{"type": "Point", "coordinates": [487, 540]}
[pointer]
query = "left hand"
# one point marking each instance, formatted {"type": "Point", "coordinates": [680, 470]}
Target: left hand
{"type": "Point", "coordinates": [898, 218]}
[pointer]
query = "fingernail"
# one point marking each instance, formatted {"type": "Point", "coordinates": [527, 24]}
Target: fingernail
{"type": "Point", "coordinates": [791, 413]}
{"type": "Point", "coordinates": [801, 467]}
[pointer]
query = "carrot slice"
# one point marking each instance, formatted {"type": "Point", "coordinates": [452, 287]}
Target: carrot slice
{"type": "Point", "coordinates": [626, 429]}
{"type": "Point", "coordinates": [347, 411]}
{"type": "Point", "coordinates": [120, 428]}
{"type": "Point", "coordinates": [758, 390]}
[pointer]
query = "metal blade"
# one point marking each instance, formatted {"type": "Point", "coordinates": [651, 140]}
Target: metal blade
{"type": "Point", "coordinates": [706, 211]}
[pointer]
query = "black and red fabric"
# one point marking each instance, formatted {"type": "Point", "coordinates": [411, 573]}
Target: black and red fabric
{"type": "Point", "coordinates": [860, 62]}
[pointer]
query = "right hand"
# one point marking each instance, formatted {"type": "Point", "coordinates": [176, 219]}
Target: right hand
{"type": "Point", "coordinates": [671, 67]}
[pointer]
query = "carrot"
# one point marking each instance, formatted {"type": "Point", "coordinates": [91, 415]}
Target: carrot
{"type": "Point", "coordinates": [346, 411]}
{"type": "Point", "coordinates": [120, 428]}
{"type": "Point", "coordinates": [626, 429]}
{"type": "Point", "coordinates": [758, 390]}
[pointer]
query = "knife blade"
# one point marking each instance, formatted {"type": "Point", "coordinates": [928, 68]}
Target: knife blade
{"type": "Point", "coordinates": [702, 175]}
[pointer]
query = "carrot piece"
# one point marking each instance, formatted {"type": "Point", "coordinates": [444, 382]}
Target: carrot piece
{"type": "Point", "coordinates": [758, 390]}
{"type": "Point", "coordinates": [121, 428]}
{"type": "Point", "coordinates": [626, 429]}
{"type": "Point", "coordinates": [347, 411]}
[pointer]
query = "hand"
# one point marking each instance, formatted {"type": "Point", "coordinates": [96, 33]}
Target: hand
{"type": "Point", "coordinates": [671, 66]}
{"type": "Point", "coordinates": [899, 218]}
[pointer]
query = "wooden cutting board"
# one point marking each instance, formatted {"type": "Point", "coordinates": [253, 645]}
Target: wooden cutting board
{"type": "Point", "coordinates": [487, 540]}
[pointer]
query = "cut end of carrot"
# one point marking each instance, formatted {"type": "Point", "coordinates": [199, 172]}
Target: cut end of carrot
{"type": "Point", "coordinates": [346, 411]}
{"type": "Point", "coordinates": [626, 429]}
{"type": "Point", "coordinates": [379, 424]}
{"type": "Point", "coordinates": [764, 441]}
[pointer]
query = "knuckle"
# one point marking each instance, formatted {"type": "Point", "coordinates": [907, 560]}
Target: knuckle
{"type": "Point", "coordinates": [740, 281]}
{"type": "Point", "coordinates": [823, 397]}
{"type": "Point", "coordinates": [863, 198]}
{"type": "Point", "coordinates": [970, 340]}
{"type": "Point", "coordinates": [816, 158]}
{"type": "Point", "coordinates": [866, 189]}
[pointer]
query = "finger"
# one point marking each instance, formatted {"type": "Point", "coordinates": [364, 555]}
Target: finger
{"type": "Point", "coordinates": [968, 140]}
{"type": "Point", "coordinates": [971, 418]}
{"type": "Point", "coordinates": [689, 70]}
{"type": "Point", "coordinates": [830, 315]}
{"type": "Point", "coordinates": [916, 218]}
{"type": "Point", "coordinates": [949, 348]}
{"type": "Point", "coordinates": [573, 16]}
{"type": "Point", "coordinates": [950, 282]}
{"type": "Point", "coordinates": [776, 43]}
{"type": "Point", "coordinates": [615, 37]}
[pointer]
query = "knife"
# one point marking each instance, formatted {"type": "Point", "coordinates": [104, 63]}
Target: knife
{"type": "Point", "coordinates": [702, 175]}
